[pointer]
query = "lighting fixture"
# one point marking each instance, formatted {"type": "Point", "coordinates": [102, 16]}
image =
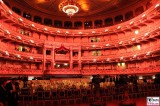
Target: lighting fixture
{"type": "Point", "coordinates": [93, 32]}
{"type": "Point", "coordinates": [32, 41]}
{"type": "Point", "coordinates": [131, 22]}
{"type": "Point", "coordinates": [120, 42]}
{"type": "Point", "coordinates": [31, 58]}
{"type": "Point", "coordinates": [135, 56]}
{"type": "Point", "coordinates": [136, 32]}
{"type": "Point", "coordinates": [80, 33]}
{"type": "Point", "coordinates": [6, 53]}
{"type": "Point", "coordinates": [19, 38]}
{"type": "Point", "coordinates": [146, 34]}
{"type": "Point", "coordinates": [93, 45]}
{"type": "Point", "coordinates": [58, 31]}
{"type": "Point", "coordinates": [121, 58]}
{"type": "Point", "coordinates": [106, 30]}
{"type": "Point", "coordinates": [65, 64]}
{"type": "Point", "coordinates": [7, 32]}
{"type": "Point", "coordinates": [45, 29]}
{"type": "Point", "coordinates": [67, 32]}
{"type": "Point", "coordinates": [108, 59]}
{"type": "Point", "coordinates": [18, 56]}
{"type": "Point", "coordinates": [1, 1]}
{"type": "Point", "coordinates": [143, 15]}
{"type": "Point", "coordinates": [70, 7]}
{"type": "Point", "coordinates": [133, 39]}
{"type": "Point", "coordinates": [20, 19]}
{"type": "Point", "coordinates": [32, 25]}
{"type": "Point", "coordinates": [10, 12]}
{"type": "Point", "coordinates": [119, 27]}
{"type": "Point", "coordinates": [157, 5]}
{"type": "Point", "coordinates": [94, 60]}
{"type": "Point", "coordinates": [107, 44]}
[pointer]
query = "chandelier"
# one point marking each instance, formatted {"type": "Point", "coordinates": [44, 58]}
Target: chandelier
{"type": "Point", "coordinates": [70, 7]}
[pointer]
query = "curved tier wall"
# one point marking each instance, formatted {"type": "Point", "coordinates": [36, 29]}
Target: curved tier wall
{"type": "Point", "coordinates": [104, 19]}
{"type": "Point", "coordinates": [33, 49]}
{"type": "Point", "coordinates": [140, 20]}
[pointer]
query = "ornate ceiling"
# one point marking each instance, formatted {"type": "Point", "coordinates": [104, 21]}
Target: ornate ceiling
{"type": "Point", "coordinates": [87, 7]}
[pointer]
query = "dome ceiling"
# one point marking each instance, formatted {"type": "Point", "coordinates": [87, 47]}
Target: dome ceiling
{"type": "Point", "coordinates": [87, 7]}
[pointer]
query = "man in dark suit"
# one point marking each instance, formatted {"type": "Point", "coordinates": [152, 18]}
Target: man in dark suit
{"type": "Point", "coordinates": [3, 92]}
{"type": "Point", "coordinates": [12, 93]}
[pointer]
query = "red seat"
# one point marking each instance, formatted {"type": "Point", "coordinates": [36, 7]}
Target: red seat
{"type": "Point", "coordinates": [40, 103]}
{"type": "Point", "coordinates": [71, 101]}
{"type": "Point", "coordinates": [54, 94]}
{"type": "Point", "coordinates": [78, 100]}
{"type": "Point", "coordinates": [48, 103]}
{"type": "Point", "coordinates": [55, 102]}
{"type": "Point", "coordinates": [63, 102]}
{"type": "Point", "coordinates": [47, 95]}
{"type": "Point", "coordinates": [61, 94]}
{"type": "Point", "coordinates": [39, 95]}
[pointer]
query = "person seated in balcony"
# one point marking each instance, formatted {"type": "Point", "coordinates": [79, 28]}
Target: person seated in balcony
{"type": "Point", "coordinates": [23, 49]}
{"type": "Point", "coordinates": [3, 92]}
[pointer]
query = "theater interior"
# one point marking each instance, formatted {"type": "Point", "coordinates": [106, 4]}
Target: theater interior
{"type": "Point", "coordinates": [81, 52]}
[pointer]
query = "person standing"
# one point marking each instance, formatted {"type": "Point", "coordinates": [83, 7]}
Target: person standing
{"type": "Point", "coordinates": [12, 93]}
{"type": "Point", "coordinates": [3, 92]}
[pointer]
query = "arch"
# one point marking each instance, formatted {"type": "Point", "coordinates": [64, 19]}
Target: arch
{"type": "Point", "coordinates": [118, 19]}
{"type": "Point", "coordinates": [98, 23]}
{"type": "Point", "coordinates": [88, 24]}
{"type": "Point", "coordinates": [78, 24]}
{"type": "Point", "coordinates": [27, 15]}
{"type": "Point", "coordinates": [7, 3]}
{"type": "Point", "coordinates": [37, 19]}
{"type": "Point", "coordinates": [108, 22]}
{"type": "Point", "coordinates": [139, 10]}
{"type": "Point", "coordinates": [129, 15]}
{"type": "Point", "coordinates": [48, 22]}
{"type": "Point", "coordinates": [148, 5]}
{"type": "Point", "coordinates": [57, 23]}
{"type": "Point", "coordinates": [16, 10]}
{"type": "Point", "coordinates": [68, 24]}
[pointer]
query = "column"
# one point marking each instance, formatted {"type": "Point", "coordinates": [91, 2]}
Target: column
{"type": "Point", "coordinates": [83, 27]}
{"type": "Point", "coordinates": [52, 22]}
{"type": "Point", "coordinates": [63, 24]}
{"type": "Point", "coordinates": [72, 24]}
{"type": "Point", "coordinates": [136, 65]}
{"type": "Point", "coordinates": [71, 58]}
{"type": "Point", "coordinates": [123, 16]}
{"type": "Point", "coordinates": [93, 25]}
{"type": "Point", "coordinates": [103, 22]}
{"type": "Point", "coordinates": [144, 7]}
{"type": "Point", "coordinates": [79, 59]}
{"type": "Point", "coordinates": [134, 14]}
{"type": "Point", "coordinates": [113, 18]}
{"type": "Point", "coordinates": [44, 59]}
{"type": "Point", "coordinates": [53, 57]}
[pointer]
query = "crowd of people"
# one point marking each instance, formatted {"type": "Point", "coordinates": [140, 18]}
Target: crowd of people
{"type": "Point", "coordinates": [10, 88]}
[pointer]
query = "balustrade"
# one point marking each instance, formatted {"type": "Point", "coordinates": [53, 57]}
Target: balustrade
{"type": "Point", "coordinates": [15, 71]}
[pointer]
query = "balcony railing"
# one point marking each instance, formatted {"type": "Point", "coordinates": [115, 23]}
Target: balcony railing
{"type": "Point", "coordinates": [19, 71]}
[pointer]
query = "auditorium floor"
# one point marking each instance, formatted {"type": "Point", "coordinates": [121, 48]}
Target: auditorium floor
{"type": "Point", "coordinates": [139, 102]}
